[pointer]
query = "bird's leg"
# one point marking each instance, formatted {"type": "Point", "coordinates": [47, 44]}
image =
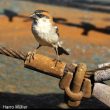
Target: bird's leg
{"type": "Point", "coordinates": [35, 51]}
{"type": "Point", "coordinates": [31, 54]}
{"type": "Point", "coordinates": [38, 46]}
{"type": "Point", "coordinates": [58, 58]}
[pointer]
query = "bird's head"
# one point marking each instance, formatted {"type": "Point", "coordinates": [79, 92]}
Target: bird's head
{"type": "Point", "coordinates": [38, 14]}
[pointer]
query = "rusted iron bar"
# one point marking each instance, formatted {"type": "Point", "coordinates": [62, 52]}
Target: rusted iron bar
{"type": "Point", "coordinates": [47, 65]}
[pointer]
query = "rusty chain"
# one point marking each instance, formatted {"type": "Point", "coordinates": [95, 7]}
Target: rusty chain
{"type": "Point", "coordinates": [76, 84]}
{"type": "Point", "coordinates": [75, 81]}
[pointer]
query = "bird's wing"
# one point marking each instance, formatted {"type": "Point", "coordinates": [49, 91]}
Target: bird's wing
{"type": "Point", "coordinates": [57, 31]}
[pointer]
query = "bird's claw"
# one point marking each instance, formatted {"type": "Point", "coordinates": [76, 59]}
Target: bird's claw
{"type": "Point", "coordinates": [56, 61]}
{"type": "Point", "coordinates": [30, 55]}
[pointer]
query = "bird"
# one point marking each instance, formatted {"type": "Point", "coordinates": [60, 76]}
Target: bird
{"type": "Point", "coordinates": [46, 33]}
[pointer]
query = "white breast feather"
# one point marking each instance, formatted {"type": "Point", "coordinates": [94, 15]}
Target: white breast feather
{"type": "Point", "coordinates": [43, 26]}
{"type": "Point", "coordinates": [46, 31]}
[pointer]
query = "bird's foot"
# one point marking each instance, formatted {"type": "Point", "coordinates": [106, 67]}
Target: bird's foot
{"type": "Point", "coordinates": [30, 55]}
{"type": "Point", "coordinates": [56, 61]}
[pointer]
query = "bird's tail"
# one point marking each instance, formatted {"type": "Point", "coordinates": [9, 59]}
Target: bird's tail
{"type": "Point", "coordinates": [61, 51]}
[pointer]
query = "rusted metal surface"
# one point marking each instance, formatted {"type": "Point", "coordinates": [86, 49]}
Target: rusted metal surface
{"type": "Point", "coordinates": [65, 85]}
{"type": "Point", "coordinates": [87, 88]}
{"type": "Point", "coordinates": [46, 64]}
{"type": "Point", "coordinates": [77, 83]}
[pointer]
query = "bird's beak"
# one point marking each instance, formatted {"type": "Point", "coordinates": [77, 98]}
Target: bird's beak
{"type": "Point", "coordinates": [32, 15]}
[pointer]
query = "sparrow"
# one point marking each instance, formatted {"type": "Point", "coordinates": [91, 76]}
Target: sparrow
{"type": "Point", "coordinates": [46, 33]}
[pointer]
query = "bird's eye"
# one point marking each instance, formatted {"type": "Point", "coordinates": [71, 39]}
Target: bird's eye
{"type": "Point", "coordinates": [40, 15]}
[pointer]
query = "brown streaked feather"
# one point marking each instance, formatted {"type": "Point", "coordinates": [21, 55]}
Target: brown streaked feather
{"type": "Point", "coordinates": [57, 31]}
{"type": "Point", "coordinates": [47, 15]}
{"type": "Point", "coordinates": [40, 11]}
